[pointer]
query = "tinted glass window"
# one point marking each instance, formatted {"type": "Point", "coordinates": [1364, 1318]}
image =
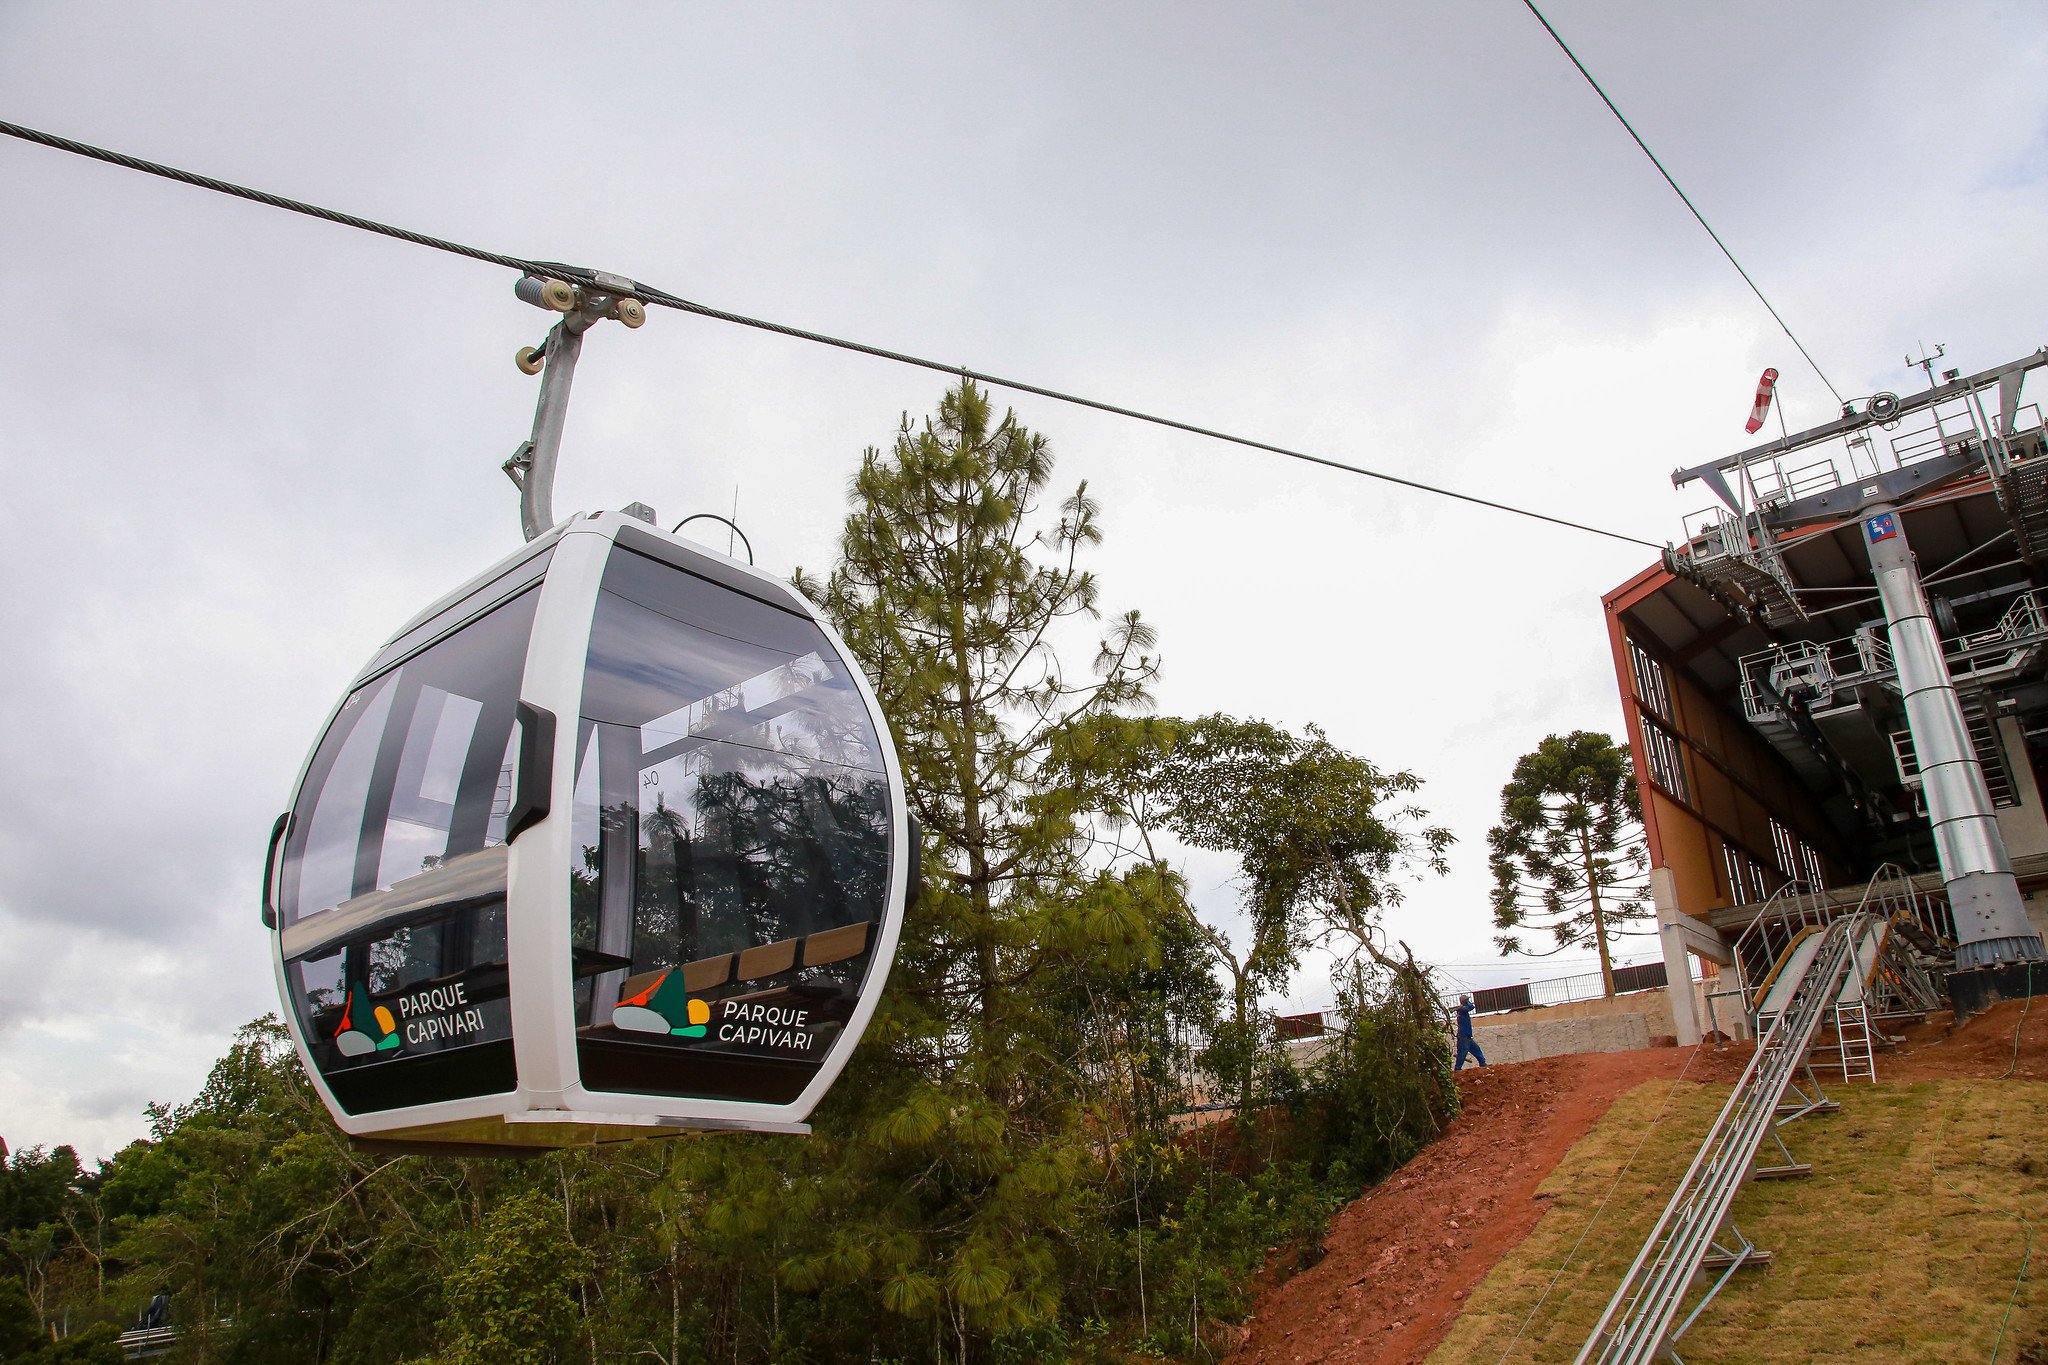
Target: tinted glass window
{"type": "Point", "coordinates": [731, 829]}
{"type": "Point", "coordinates": [392, 900]}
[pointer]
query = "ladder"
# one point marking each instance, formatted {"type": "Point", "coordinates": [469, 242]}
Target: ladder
{"type": "Point", "coordinates": [1695, 1232]}
{"type": "Point", "coordinates": [1852, 1036]}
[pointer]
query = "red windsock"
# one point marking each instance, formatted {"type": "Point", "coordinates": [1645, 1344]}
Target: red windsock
{"type": "Point", "coordinates": [1763, 401]}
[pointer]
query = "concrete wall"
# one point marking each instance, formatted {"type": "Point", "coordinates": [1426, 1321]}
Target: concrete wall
{"type": "Point", "coordinates": [1653, 1005]}
{"type": "Point", "coordinates": [2023, 827]}
{"type": "Point", "coordinates": [1617, 1025]}
{"type": "Point", "coordinates": [1529, 1034]}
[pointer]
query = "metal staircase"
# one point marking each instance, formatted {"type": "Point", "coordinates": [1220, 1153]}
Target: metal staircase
{"type": "Point", "coordinates": [1695, 1234]}
{"type": "Point", "coordinates": [2024, 491]}
{"type": "Point", "coordinates": [1898, 964]}
{"type": "Point", "coordinates": [1805, 963]}
{"type": "Point", "coordinates": [1737, 555]}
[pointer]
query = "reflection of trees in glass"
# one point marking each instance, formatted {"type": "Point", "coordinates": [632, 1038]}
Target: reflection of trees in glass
{"type": "Point", "coordinates": [805, 708]}
{"type": "Point", "coordinates": [425, 952]}
{"type": "Point", "coordinates": [664, 919]}
{"type": "Point", "coordinates": [321, 982]}
{"type": "Point", "coordinates": [805, 853]}
{"type": "Point", "coordinates": [392, 960]}
{"type": "Point", "coordinates": [758, 858]}
{"type": "Point", "coordinates": [583, 902]}
{"type": "Point", "coordinates": [830, 715]}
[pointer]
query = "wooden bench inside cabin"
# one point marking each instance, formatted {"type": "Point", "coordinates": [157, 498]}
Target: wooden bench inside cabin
{"type": "Point", "coordinates": [767, 959]}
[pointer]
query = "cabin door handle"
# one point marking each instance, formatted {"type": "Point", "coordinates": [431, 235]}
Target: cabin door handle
{"type": "Point", "coordinates": [284, 822]}
{"type": "Point", "coordinates": [534, 780]}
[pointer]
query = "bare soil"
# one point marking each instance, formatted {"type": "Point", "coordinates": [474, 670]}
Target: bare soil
{"type": "Point", "coordinates": [1401, 1260]}
{"type": "Point", "coordinates": [1931, 1049]}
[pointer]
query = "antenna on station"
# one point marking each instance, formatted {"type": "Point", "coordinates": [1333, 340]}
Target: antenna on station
{"type": "Point", "coordinates": [1926, 362]}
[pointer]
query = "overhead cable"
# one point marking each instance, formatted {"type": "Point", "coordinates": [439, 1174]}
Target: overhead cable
{"type": "Point", "coordinates": [1700, 217]}
{"type": "Point", "coordinates": [662, 298]}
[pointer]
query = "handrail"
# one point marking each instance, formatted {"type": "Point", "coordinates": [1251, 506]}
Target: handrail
{"type": "Point", "coordinates": [1756, 998]}
{"type": "Point", "coordinates": [2023, 623]}
{"type": "Point", "coordinates": [1792, 890]}
{"type": "Point", "coordinates": [1816, 909]}
{"type": "Point", "coordinates": [1638, 1319]}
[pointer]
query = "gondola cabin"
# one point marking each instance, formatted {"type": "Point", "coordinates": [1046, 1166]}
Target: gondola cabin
{"type": "Point", "coordinates": [610, 841]}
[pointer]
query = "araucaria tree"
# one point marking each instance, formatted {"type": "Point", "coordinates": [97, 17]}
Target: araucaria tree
{"type": "Point", "coordinates": [1567, 856]}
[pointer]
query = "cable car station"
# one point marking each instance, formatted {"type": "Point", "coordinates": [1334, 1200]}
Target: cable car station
{"type": "Point", "coordinates": [1840, 678]}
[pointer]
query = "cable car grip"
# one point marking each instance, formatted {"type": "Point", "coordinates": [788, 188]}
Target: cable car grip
{"type": "Point", "coordinates": [535, 778]}
{"type": "Point", "coordinates": [277, 830]}
{"type": "Point", "coordinates": [532, 466]}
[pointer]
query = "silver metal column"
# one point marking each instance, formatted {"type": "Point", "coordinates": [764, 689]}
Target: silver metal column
{"type": "Point", "coordinates": [550, 414]}
{"type": "Point", "coordinates": [1991, 921]}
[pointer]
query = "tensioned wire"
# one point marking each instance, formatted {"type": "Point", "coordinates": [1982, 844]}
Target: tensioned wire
{"type": "Point", "coordinates": [1684, 198]}
{"type": "Point", "coordinates": [583, 276]}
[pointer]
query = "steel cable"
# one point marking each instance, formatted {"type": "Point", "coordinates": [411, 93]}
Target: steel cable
{"type": "Point", "coordinates": [661, 297]}
{"type": "Point", "coordinates": [1699, 217]}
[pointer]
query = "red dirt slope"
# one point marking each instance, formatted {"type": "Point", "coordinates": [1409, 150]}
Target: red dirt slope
{"type": "Point", "coordinates": [1401, 1260]}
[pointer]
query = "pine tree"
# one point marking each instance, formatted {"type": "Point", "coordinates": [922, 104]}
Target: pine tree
{"type": "Point", "coordinates": [956, 604]}
{"type": "Point", "coordinates": [958, 593]}
{"type": "Point", "coordinates": [1567, 856]}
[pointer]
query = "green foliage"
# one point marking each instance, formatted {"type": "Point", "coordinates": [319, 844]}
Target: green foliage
{"type": "Point", "coordinates": [1567, 856]}
{"type": "Point", "coordinates": [1327, 840]}
{"type": "Point", "coordinates": [1325, 835]}
{"type": "Point", "coordinates": [98, 1344]}
{"type": "Point", "coordinates": [515, 1300]}
{"type": "Point", "coordinates": [19, 1330]}
{"type": "Point", "coordinates": [1384, 1085]}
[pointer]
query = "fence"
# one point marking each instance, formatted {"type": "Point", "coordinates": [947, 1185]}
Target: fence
{"type": "Point", "coordinates": [1563, 990]}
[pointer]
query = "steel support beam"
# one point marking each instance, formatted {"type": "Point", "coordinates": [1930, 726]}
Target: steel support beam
{"type": "Point", "coordinates": [1991, 920]}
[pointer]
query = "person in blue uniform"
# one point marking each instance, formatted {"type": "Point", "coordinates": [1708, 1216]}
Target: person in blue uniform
{"type": "Point", "coordinates": [1465, 1043]}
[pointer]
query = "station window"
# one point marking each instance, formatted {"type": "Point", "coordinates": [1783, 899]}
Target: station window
{"type": "Point", "coordinates": [1667, 765]}
{"type": "Point", "coordinates": [1785, 844]}
{"type": "Point", "coordinates": [1811, 861]}
{"type": "Point", "coordinates": [1732, 863]}
{"type": "Point", "coordinates": [1796, 858]}
{"type": "Point", "coordinates": [1748, 880]}
{"type": "Point", "coordinates": [1651, 686]}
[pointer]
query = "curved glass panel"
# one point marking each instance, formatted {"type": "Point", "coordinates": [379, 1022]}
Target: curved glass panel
{"type": "Point", "coordinates": [392, 888]}
{"type": "Point", "coordinates": [731, 836]}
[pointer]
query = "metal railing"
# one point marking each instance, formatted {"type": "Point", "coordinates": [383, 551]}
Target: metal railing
{"type": "Point", "coordinates": [1565, 990]}
{"type": "Point", "coordinates": [1773, 482]}
{"type": "Point", "coordinates": [143, 1343]}
{"type": "Point", "coordinates": [1793, 910]}
{"type": "Point", "coordinates": [1949, 428]}
{"type": "Point", "coordinates": [1695, 1226]}
{"type": "Point", "coordinates": [1813, 671]}
{"type": "Point", "coordinates": [1778, 923]}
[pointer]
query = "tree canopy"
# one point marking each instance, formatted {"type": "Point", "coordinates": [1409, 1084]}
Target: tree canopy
{"type": "Point", "coordinates": [1567, 857]}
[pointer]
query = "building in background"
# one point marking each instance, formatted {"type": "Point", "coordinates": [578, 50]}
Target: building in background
{"type": "Point", "coordinates": [1766, 666]}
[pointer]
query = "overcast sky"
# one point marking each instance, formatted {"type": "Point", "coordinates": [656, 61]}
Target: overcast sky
{"type": "Point", "coordinates": [239, 447]}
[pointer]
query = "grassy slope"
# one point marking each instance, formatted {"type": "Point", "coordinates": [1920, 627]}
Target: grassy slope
{"type": "Point", "coordinates": [1904, 1245]}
